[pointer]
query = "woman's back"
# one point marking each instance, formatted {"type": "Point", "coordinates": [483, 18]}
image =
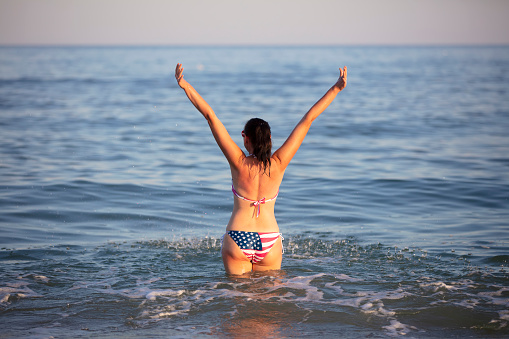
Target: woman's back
{"type": "Point", "coordinates": [255, 192]}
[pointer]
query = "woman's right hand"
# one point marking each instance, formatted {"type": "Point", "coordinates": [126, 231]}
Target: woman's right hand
{"type": "Point", "coordinates": [341, 83]}
{"type": "Point", "coordinates": [179, 75]}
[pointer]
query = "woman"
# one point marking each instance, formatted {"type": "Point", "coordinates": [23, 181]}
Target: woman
{"type": "Point", "coordinates": [252, 241]}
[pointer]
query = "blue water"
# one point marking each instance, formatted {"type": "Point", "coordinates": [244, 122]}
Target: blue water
{"type": "Point", "coordinates": [114, 195]}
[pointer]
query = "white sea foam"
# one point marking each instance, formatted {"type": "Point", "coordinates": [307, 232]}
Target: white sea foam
{"type": "Point", "coordinates": [346, 277]}
{"type": "Point", "coordinates": [312, 292]}
{"type": "Point", "coordinates": [396, 328]}
{"type": "Point", "coordinates": [17, 291]}
{"type": "Point", "coordinates": [335, 287]}
{"type": "Point", "coordinates": [309, 292]}
{"type": "Point", "coordinates": [469, 303]}
{"type": "Point", "coordinates": [262, 289]}
{"type": "Point", "coordinates": [500, 290]}
{"type": "Point", "coordinates": [41, 278]}
{"type": "Point", "coordinates": [504, 315]}
{"type": "Point", "coordinates": [367, 302]}
{"type": "Point", "coordinates": [181, 308]}
{"type": "Point", "coordinates": [164, 293]}
{"type": "Point", "coordinates": [436, 287]}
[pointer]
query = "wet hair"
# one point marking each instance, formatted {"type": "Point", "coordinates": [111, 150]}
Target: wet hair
{"type": "Point", "coordinates": [258, 132]}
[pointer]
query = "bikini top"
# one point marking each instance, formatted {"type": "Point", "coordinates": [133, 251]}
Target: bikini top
{"type": "Point", "coordinates": [256, 203]}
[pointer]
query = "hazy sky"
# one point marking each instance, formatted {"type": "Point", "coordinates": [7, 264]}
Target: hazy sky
{"type": "Point", "coordinates": [150, 22]}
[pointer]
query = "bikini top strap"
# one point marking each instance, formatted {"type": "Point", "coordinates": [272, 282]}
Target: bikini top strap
{"type": "Point", "coordinates": [256, 203]}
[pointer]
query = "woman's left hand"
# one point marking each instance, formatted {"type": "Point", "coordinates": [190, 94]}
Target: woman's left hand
{"type": "Point", "coordinates": [179, 75]}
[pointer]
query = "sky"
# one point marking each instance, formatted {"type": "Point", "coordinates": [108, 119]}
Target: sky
{"type": "Point", "coordinates": [253, 22]}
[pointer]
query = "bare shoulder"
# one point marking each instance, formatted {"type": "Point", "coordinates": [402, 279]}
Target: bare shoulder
{"type": "Point", "coordinates": [276, 167]}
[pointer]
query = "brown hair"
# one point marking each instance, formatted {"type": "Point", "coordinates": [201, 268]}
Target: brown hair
{"type": "Point", "coordinates": [258, 132]}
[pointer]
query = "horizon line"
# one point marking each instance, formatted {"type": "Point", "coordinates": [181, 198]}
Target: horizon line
{"type": "Point", "coordinates": [201, 45]}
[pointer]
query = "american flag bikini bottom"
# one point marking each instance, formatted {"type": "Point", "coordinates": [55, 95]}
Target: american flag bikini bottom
{"type": "Point", "coordinates": [255, 245]}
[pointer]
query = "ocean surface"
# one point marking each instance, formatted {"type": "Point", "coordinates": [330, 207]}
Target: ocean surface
{"type": "Point", "coordinates": [114, 195]}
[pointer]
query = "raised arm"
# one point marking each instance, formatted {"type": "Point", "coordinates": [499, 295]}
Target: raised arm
{"type": "Point", "coordinates": [286, 152]}
{"type": "Point", "coordinates": [231, 151]}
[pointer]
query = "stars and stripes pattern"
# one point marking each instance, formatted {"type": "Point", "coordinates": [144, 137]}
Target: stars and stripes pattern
{"type": "Point", "coordinates": [255, 245]}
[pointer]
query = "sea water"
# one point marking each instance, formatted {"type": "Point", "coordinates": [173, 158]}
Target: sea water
{"type": "Point", "coordinates": [114, 195]}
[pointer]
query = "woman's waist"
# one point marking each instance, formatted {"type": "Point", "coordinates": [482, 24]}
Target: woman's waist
{"type": "Point", "coordinates": [249, 224]}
